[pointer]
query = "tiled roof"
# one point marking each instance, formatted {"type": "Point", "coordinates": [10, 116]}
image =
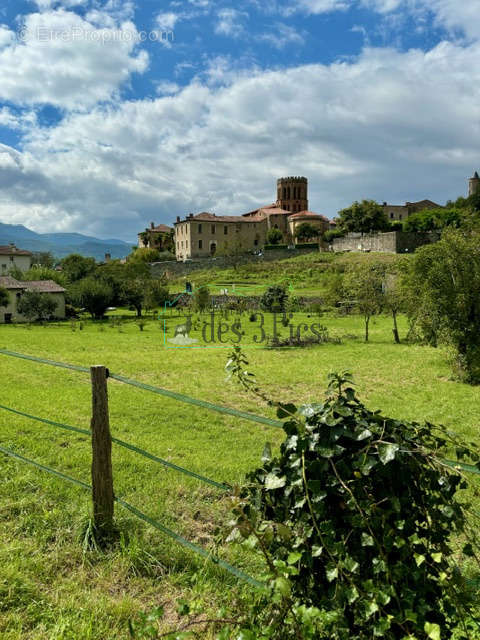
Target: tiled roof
{"type": "Point", "coordinates": [211, 217]}
{"type": "Point", "coordinates": [308, 214]}
{"type": "Point", "coordinates": [44, 286]}
{"type": "Point", "coordinates": [11, 250]}
{"type": "Point", "coordinates": [7, 282]}
{"type": "Point", "coordinates": [161, 228]}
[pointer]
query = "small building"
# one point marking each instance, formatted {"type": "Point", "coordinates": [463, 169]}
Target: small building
{"type": "Point", "coordinates": [11, 257]}
{"type": "Point", "coordinates": [156, 237]}
{"type": "Point", "coordinates": [321, 223]}
{"type": "Point", "coordinates": [399, 213]}
{"type": "Point", "coordinates": [16, 289]}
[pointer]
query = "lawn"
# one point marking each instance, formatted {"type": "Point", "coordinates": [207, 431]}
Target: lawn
{"type": "Point", "coordinates": [50, 586]}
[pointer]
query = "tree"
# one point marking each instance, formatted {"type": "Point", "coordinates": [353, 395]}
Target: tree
{"type": "Point", "coordinates": [363, 288]}
{"type": "Point", "coordinates": [144, 254]}
{"type": "Point", "coordinates": [44, 273]}
{"type": "Point", "coordinates": [94, 295]}
{"type": "Point", "coordinates": [306, 231]}
{"type": "Point", "coordinates": [36, 306]}
{"type": "Point", "coordinates": [444, 296]}
{"type": "Point", "coordinates": [274, 299]}
{"type": "Point", "coordinates": [274, 236]}
{"type": "Point", "coordinates": [156, 294]}
{"type": "Point", "coordinates": [133, 294]}
{"type": "Point", "coordinates": [393, 299]}
{"type": "Point", "coordinates": [363, 217]}
{"type": "Point", "coordinates": [233, 250]}
{"type": "Point", "coordinates": [201, 298]}
{"type": "Point", "coordinates": [43, 259]}
{"type": "Point", "coordinates": [76, 267]}
{"type": "Point", "coordinates": [4, 297]}
{"type": "Point", "coordinates": [433, 219]}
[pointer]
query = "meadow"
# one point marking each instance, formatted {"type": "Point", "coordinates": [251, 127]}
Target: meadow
{"type": "Point", "coordinates": [51, 585]}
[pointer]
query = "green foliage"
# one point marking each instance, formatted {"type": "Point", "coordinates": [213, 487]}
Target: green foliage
{"type": "Point", "coordinates": [4, 297]}
{"type": "Point", "coordinates": [36, 306]}
{"type": "Point", "coordinates": [433, 220]}
{"type": "Point", "coordinates": [94, 295]}
{"type": "Point", "coordinates": [76, 267]}
{"type": "Point", "coordinates": [274, 236]}
{"type": "Point", "coordinates": [331, 234]}
{"type": "Point", "coordinates": [270, 247]}
{"type": "Point", "coordinates": [354, 520]}
{"type": "Point", "coordinates": [201, 298]}
{"type": "Point", "coordinates": [363, 289]}
{"type": "Point", "coordinates": [363, 217]}
{"type": "Point", "coordinates": [444, 302]}
{"type": "Point", "coordinates": [144, 254]}
{"type": "Point", "coordinates": [44, 273]}
{"type": "Point", "coordinates": [274, 299]}
{"type": "Point", "coordinates": [306, 231]}
{"type": "Point", "coordinates": [43, 259]}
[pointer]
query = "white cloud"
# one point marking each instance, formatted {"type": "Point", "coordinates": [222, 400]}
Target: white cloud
{"type": "Point", "coordinates": [230, 22]}
{"type": "Point", "coordinates": [58, 61]}
{"type": "Point", "coordinates": [356, 129]}
{"type": "Point", "coordinates": [167, 21]}
{"type": "Point", "coordinates": [167, 88]}
{"type": "Point", "coordinates": [282, 36]}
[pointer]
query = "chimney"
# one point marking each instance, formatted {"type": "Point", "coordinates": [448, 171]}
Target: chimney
{"type": "Point", "coordinates": [178, 218]}
{"type": "Point", "coordinates": [152, 225]}
{"type": "Point", "coordinates": [384, 204]}
{"type": "Point", "coordinates": [190, 215]}
{"type": "Point", "coordinates": [108, 257]}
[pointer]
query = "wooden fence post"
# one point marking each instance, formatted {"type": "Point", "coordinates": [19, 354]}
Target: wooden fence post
{"type": "Point", "coordinates": [102, 478]}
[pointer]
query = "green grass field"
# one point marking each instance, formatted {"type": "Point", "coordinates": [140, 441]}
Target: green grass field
{"type": "Point", "coordinates": [50, 587]}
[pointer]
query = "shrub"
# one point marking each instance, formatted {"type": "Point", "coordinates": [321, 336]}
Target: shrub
{"type": "Point", "coordinates": [274, 236]}
{"type": "Point", "coordinates": [274, 299]}
{"type": "Point", "coordinates": [355, 519]}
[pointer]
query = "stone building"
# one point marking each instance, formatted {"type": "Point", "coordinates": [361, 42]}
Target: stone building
{"type": "Point", "coordinates": [474, 184]}
{"type": "Point", "coordinates": [206, 234]}
{"type": "Point", "coordinates": [399, 213]}
{"type": "Point", "coordinates": [17, 288]}
{"type": "Point", "coordinates": [156, 237]}
{"type": "Point", "coordinates": [11, 257]}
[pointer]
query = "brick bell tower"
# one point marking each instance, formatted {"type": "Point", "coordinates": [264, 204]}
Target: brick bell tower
{"type": "Point", "coordinates": [292, 194]}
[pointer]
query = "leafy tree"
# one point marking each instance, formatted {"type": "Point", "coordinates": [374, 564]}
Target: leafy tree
{"type": "Point", "coordinates": [362, 285]}
{"type": "Point", "coordinates": [306, 231]}
{"type": "Point", "coordinates": [36, 306]}
{"type": "Point", "coordinates": [233, 250]}
{"type": "Point", "coordinates": [274, 299]}
{"type": "Point", "coordinates": [274, 236]}
{"type": "Point", "coordinates": [144, 255]}
{"type": "Point", "coordinates": [94, 295]}
{"type": "Point", "coordinates": [394, 298]}
{"type": "Point", "coordinates": [444, 300]}
{"type": "Point", "coordinates": [44, 273]}
{"type": "Point", "coordinates": [156, 294]}
{"type": "Point", "coordinates": [201, 298]}
{"type": "Point", "coordinates": [433, 220]}
{"type": "Point", "coordinates": [4, 297]}
{"type": "Point", "coordinates": [76, 267]}
{"type": "Point", "coordinates": [133, 294]}
{"type": "Point", "coordinates": [363, 217]}
{"type": "Point", "coordinates": [43, 259]}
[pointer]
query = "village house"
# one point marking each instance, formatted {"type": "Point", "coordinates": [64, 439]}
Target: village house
{"type": "Point", "coordinates": [206, 234]}
{"type": "Point", "coordinates": [17, 288]}
{"type": "Point", "coordinates": [399, 213]}
{"type": "Point", "coordinates": [11, 257]}
{"type": "Point", "coordinates": [156, 237]}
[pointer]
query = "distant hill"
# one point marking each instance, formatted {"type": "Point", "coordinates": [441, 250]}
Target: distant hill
{"type": "Point", "coordinates": [62, 244]}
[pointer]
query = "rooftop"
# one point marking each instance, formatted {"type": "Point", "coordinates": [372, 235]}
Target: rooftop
{"type": "Point", "coordinates": [308, 214]}
{"type": "Point", "coordinates": [7, 282]}
{"type": "Point", "coordinates": [11, 250]}
{"type": "Point", "coordinates": [43, 286]}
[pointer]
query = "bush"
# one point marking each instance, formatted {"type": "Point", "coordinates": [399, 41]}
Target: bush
{"type": "Point", "coordinates": [274, 236]}
{"type": "Point", "coordinates": [331, 234]}
{"type": "Point", "coordinates": [274, 299]}
{"type": "Point", "coordinates": [36, 306]}
{"type": "Point", "coordinates": [269, 247]}
{"type": "Point", "coordinates": [355, 519]}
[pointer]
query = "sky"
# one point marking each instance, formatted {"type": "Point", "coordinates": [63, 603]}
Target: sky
{"type": "Point", "coordinates": [115, 113]}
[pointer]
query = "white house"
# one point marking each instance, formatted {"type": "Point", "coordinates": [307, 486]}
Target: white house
{"type": "Point", "coordinates": [16, 289]}
{"type": "Point", "coordinates": [11, 257]}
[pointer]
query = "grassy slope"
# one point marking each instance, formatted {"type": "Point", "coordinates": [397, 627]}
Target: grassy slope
{"type": "Point", "coordinates": [48, 587]}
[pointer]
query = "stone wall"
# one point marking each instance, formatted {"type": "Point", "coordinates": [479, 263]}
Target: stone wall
{"type": "Point", "coordinates": [390, 242]}
{"type": "Point", "coordinates": [173, 268]}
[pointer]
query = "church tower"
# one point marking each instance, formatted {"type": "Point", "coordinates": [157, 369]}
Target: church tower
{"type": "Point", "coordinates": [474, 184]}
{"type": "Point", "coordinates": [292, 194]}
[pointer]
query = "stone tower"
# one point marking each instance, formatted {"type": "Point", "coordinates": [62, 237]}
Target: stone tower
{"type": "Point", "coordinates": [474, 184]}
{"type": "Point", "coordinates": [292, 194]}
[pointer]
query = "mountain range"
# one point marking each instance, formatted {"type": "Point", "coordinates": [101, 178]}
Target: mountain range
{"type": "Point", "coordinates": [62, 244]}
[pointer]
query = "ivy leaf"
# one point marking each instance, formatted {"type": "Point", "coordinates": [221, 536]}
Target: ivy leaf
{"type": "Point", "coordinates": [332, 572]}
{"type": "Point", "coordinates": [352, 594]}
{"type": "Point", "coordinates": [367, 541]}
{"type": "Point", "coordinates": [274, 482]}
{"type": "Point", "coordinates": [387, 452]}
{"type": "Point", "coordinates": [316, 551]}
{"type": "Point", "coordinates": [283, 531]}
{"type": "Point", "coordinates": [419, 559]}
{"type": "Point", "coordinates": [437, 557]}
{"type": "Point", "coordinates": [267, 453]}
{"type": "Point", "coordinates": [432, 630]}
{"type": "Point", "coordinates": [293, 557]}
{"type": "Point", "coordinates": [286, 410]}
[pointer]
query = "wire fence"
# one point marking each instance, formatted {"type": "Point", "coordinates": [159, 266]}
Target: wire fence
{"type": "Point", "coordinates": [223, 486]}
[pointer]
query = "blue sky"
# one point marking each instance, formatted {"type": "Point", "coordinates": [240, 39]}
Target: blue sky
{"type": "Point", "coordinates": [114, 114]}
